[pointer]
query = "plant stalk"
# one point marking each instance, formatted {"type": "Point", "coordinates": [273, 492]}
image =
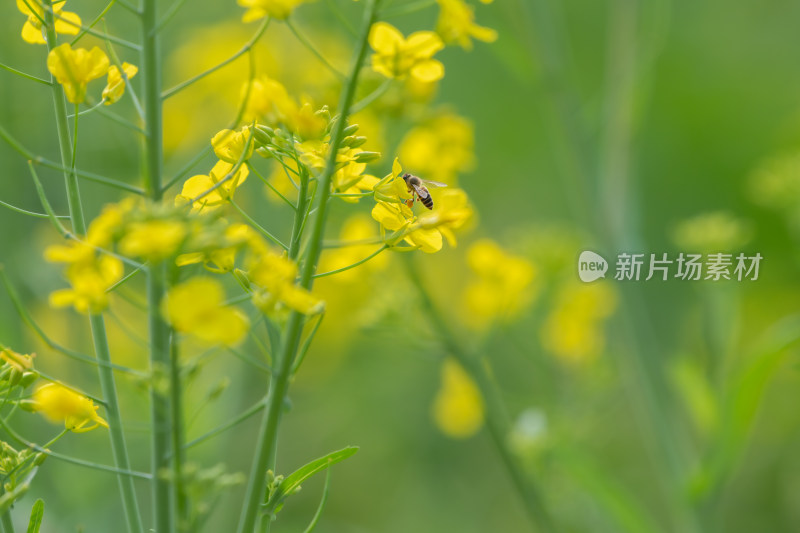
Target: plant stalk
{"type": "Point", "coordinates": [99, 336]}
{"type": "Point", "coordinates": [279, 382]}
{"type": "Point", "coordinates": [160, 353]}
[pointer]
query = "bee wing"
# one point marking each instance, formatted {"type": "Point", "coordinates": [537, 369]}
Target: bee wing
{"type": "Point", "coordinates": [430, 183]}
{"type": "Point", "coordinates": [421, 191]}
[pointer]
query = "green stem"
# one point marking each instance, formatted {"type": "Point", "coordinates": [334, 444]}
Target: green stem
{"type": "Point", "coordinates": [5, 520]}
{"type": "Point", "coordinates": [22, 74]}
{"type": "Point", "coordinates": [357, 263]}
{"type": "Point", "coordinates": [497, 419]}
{"type": "Point", "coordinates": [99, 337]}
{"type": "Point", "coordinates": [160, 360]}
{"type": "Point", "coordinates": [279, 381]}
{"type": "Point", "coordinates": [178, 442]}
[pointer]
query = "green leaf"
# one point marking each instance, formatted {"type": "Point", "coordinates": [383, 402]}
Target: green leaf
{"type": "Point", "coordinates": [36, 516]}
{"type": "Point", "coordinates": [291, 483]}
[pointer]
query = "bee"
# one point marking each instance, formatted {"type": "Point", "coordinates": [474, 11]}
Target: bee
{"type": "Point", "coordinates": [417, 188]}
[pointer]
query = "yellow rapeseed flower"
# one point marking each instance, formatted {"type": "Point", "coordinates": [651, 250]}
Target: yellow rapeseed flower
{"type": "Point", "coordinates": [458, 408]}
{"type": "Point", "coordinates": [440, 149]}
{"type": "Point", "coordinates": [153, 240]}
{"type": "Point", "coordinates": [503, 287]}
{"type": "Point", "coordinates": [574, 329]}
{"type": "Point", "coordinates": [258, 9]}
{"type": "Point", "coordinates": [457, 24]}
{"type": "Point", "coordinates": [60, 404]}
{"type": "Point", "coordinates": [115, 87]}
{"type": "Point", "coordinates": [275, 276]}
{"type": "Point", "coordinates": [197, 307]}
{"type": "Point", "coordinates": [229, 145]}
{"type": "Point", "coordinates": [397, 57]}
{"type": "Point", "coordinates": [65, 22]}
{"type": "Point", "coordinates": [73, 69]}
{"type": "Point", "coordinates": [198, 189]}
{"type": "Point", "coordinates": [90, 281]}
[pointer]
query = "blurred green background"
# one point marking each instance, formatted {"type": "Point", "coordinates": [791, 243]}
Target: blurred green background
{"type": "Point", "coordinates": [655, 113]}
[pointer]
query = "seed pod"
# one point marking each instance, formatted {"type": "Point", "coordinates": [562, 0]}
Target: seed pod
{"type": "Point", "coordinates": [350, 130]}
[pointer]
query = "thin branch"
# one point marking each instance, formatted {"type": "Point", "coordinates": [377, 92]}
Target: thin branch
{"type": "Point", "coordinates": [174, 90]}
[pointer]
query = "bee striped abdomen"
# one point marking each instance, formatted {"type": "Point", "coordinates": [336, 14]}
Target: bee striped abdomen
{"type": "Point", "coordinates": [427, 201]}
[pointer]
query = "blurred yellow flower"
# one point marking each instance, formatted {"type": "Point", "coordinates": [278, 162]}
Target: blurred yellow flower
{"type": "Point", "coordinates": [458, 408]}
{"type": "Point", "coordinates": [574, 329]}
{"type": "Point", "coordinates": [439, 149]}
{"type": "Point", "coordinates": [203, 191]}
{"type": "Point", "coordinates": [229, 145]}
{"type": "Point", "coordinates": [153, 240]}
{"type": "Point", "coordinates": [197, 307]}
{"type": "Point", "coordinates": [450, 212]}
{"type": "Point", "coordinates": [276, 277]}
{"type": "Point", "coordinates": [258, 9]}
{"type": "Point", "coordinates": [398, 57]}
{"type": "Point", "coordinates": [360, 230]}
{"type": "Point", "coordinates": [90, 277]}
{"type": "Point", "coordinates": [503, 287]}
{"type": "Point", "coordinates": [268, 100]}
{"type": "Point", "coordinates": [457, 24]}
{"type": "Point", "coordinates": [59, 404]}
{"type": "Point", "coordinates": [115, 87]}
{"type": "Point", "coordinates": [73, 69]}
{"type": "Point", "coordinates": [105, 227]}
{"type": "Point", "coordinates": [65, 22]}
{"type": "Point", "coordinates": [718, 231]}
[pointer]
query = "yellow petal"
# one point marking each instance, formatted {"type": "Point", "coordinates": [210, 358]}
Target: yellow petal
{"type": "Point", "coordinates": [428, 70]}
{"type": "Point", "coordinates": [385, 38]}
{"type": "Point", "coordinates": [31, 34]}
{"type": "Point", "coordinates": [68, 23]}
{"type": "Point", "coordinates": [428, 240]}
{"type": "Point", "coordinates": [424, 44]}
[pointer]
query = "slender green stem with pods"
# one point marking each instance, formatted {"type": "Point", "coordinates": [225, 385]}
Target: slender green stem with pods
{"type": "Point", "coordinates": [99, 336]}
{"type": "Point", "coordinates": [497, 419]}
{"type": "Point", "coordinates": [279, 382]}
{"type": "Point", "coordinates": [160, 353]}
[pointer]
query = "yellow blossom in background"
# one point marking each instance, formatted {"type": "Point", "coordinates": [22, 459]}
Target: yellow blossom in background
{"type": "Point", "coordinates": [74, 69]}
{"type": "Point", "coordinates": [360, 230]}
{"type": "Point", "coordinates": [105, 227]}
{"type": "Point", "coordinates": [197, 307]}
{"type": "Point", "coordinates": [203, 191]}
{"type": "Point", "coordinates": [574, 329]}
{"type": "Point", "coordinates": [258, 9]}
{"type": "Point", "coordinates": [398, 57]}
{"type": "Point", "coordinates": [65, 22]}
{"type": "Point", "coordinates": [60, 404]}
{"type": "Point", "coordinates": [115, 87]}
{"type": "Point", "coordinates": [458, 408]}
{"type": "Point", "coordinates": [153, 240]}
{"type": "Point", "coordinates": [503, 286]}
{"type": "Point", "coordinates": [90, 281]}
{"type": "Point", "coordinates": [305, 121]}
{"type": "Point", "coordinates": [229, 145]}
{"type": "Point", "coordinates": [222, 259]}
{"type": "Point", "coordinates": [268, 100]}
{"type": "Point", "coordinates": [456, 24]}
{"type": "Point", "coordinates": [712, 232]}
{"type": "Point", "coordinates": [440, 149]}
{"type": "Point", "coordinates": [276, 278]}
